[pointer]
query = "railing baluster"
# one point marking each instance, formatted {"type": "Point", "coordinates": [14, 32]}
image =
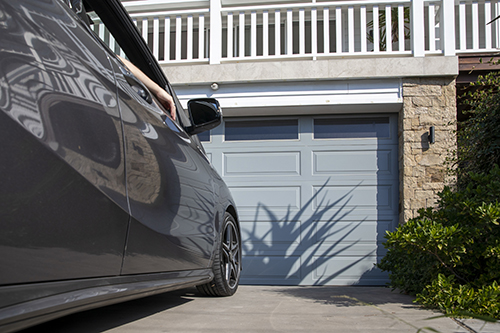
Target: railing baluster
{"type": "Point", "coordinates": [178, 37]}
{"type": "Point", "coordinates": [487, 19]}
{"type": "Point", "coordinates": [417, 22]}
{"type": "Point", "coordinates": [362, 19]}
{"type": "Point", "coordinates": [214, 33]}
{"type": "Point", "coordinates": [350, 29]}
{"type": "Point", "coordinates": [376, 35]}
{"type": "Point", "coordinates": [265, 33]}
{"type": "Point", "coordinates": [277, 32]}
{"type": "Point", "coordinates": [401, 27]}
{"type": "Point", "coordinates": [156, 37]}
{"type": "Point", "coordinates": [241, 28]}
{"type": "Point", "coordinates": [462, 25]}
{"type": "Point", "coordinates": [326, 30]}
{"type": "Point", "coordinates": [253, 34]}
{"type": "Point", "coordinates": [166, 45]}
{"type": "Point", "coordinates": [475, 25]}
{"type": "Point", "coordinates": [102, 31]}
{"type": "Point", "coordinates": [112, 43]}
{"type": "Point", "coordinates": [338, 21]}
{"type": "Point", "coordinates": [447, 28]}
{"type": "Point", "coordinates": [388, 28]}
{"type": "Point", "coordinates": [302, 31]}
{"type": "Point", "coordinates": [145, 29]}
{"type": "Point", "coordinates": [289, 32]}
{"type": "Point", "coordinates": [314, 32]}
{"type": "Point", "coordinates": [432, 27]}
{"type": "Point", "coordinates": [201, 36]}
{"type": "Point", "coordinates": [230, 35]}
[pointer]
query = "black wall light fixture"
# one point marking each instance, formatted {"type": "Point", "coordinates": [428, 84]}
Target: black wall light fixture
{"type": "Point", "coordinates": [432, 135]}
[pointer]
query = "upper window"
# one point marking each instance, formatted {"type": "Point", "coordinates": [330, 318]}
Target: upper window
{"type": "Point", "coordinates": [283, 129]}
{"type": "Point", "coordinates": [337, 128]}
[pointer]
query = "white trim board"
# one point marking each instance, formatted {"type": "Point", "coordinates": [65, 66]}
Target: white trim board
{"type": "Point", "coordinates": [300, 97]}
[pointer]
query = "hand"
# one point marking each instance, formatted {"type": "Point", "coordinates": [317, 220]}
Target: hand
{"type": "Point", "coordinates": [163, 97]}
{"type": "Point", "coordinates": [167, 101]}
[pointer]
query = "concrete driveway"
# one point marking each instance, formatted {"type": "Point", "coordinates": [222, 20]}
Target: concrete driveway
{"type": "Point", "coordinates": [265, 309]}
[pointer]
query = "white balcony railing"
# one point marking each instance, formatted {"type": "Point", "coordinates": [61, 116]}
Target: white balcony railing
{"type": "Point", "coordinates": [315, 30]}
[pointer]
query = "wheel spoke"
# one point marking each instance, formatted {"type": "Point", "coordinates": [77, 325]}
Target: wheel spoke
{"type": "Point", "coordinates": [234, 269]}
{"type": "Point", "coordinates": [226, 255]}
{"type": "Point", "coordinates": [229, 235]}
{"type": "Point", "coordinates": [229, 270]}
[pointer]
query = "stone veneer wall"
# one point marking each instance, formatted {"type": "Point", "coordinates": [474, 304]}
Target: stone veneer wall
{"type": "Point", "coordinates": [426, 102]}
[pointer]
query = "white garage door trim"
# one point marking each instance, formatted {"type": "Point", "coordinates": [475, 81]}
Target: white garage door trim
{"type": "Point", "coordinates": [320, 96]}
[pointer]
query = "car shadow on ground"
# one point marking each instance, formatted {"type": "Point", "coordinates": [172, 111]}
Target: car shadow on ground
{"type": "Point", "coordinates": [343, 296]}
{"type": "Point", "coordinates": [112, 316]}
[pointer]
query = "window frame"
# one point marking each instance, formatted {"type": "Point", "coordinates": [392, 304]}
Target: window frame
{"type": "Point", "coordinates": [261, 119]}
{"type": "Point", "coordinates": [355, 116]}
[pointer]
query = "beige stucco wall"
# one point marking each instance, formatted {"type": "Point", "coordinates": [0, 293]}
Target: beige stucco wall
{"type": "Point", "coordinates": [322, 69]}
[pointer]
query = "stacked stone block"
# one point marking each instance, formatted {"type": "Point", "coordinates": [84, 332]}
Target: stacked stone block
{"type": "Point", "coordinates": [426, 102]}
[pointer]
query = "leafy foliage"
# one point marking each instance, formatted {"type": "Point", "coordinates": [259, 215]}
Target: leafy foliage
{"type": "Point", "coordinates": [479, 137]}
{"type": "Point", "coordinates": [458, 300]}
{"type": "Point", "coordinates": [450, 256]}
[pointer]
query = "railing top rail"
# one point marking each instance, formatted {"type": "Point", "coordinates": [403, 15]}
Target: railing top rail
{"type": "Point", "coordinates": [171, 13]}
{"type": "Point", "coordinates": [315, 5]}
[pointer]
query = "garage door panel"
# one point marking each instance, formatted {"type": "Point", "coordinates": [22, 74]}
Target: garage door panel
{"type": "Point", "coordinates": [351, 231]}
{"type": "Point", "coordinates": [353, 249]}
{"type": "Point", "coordinates": [270, 232]}
{"type": "Point", "coordinates": [368, 161]}
{"type": "Point", "coordinates": [269, 197]}
{"type": "Point", "coordinates": [348, 269]}
{"type": "Point", "coordinates": [356, 196]}
{"type": "Point", "coordinates": [271, 269]}
{"type": "Point", "coordinates": [262, 163]}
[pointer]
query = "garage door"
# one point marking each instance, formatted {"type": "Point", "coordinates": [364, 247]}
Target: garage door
{"type": "Point", "coordinates": [315, 195]}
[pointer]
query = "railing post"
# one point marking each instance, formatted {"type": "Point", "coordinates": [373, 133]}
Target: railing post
{"type": "Point", "coordinates": [215, 32]}
{"type": "Point", "coordinates": [448, 27]}
{"type": "Point", "coordinates": [417, 23]}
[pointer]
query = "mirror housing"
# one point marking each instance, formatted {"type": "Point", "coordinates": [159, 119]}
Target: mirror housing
{"type": "Point", "coordinates": [204, 113]}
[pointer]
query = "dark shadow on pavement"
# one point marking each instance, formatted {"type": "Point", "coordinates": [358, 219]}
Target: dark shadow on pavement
{"type": "Point", "coordinates": [342, 296]}
{"type": "Point", "coordinates": [112, 316]}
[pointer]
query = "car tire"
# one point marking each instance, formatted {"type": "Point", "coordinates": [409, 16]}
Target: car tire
{"type": "Point", "coordinates": [227, 262]}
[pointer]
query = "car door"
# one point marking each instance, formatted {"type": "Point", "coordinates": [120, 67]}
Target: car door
{"type": "Point", "coordinates": [63, 205]}
{"type": "Point", "coordinates": [169, 180]}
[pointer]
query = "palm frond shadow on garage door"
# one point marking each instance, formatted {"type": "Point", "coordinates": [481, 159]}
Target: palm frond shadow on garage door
{"type": "Point", "coordinates": [314, 249]}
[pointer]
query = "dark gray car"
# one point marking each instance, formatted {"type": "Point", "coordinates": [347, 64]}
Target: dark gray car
{"type": "Point", "coordinates": [103, 196]}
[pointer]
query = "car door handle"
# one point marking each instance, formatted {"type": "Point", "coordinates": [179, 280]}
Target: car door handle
{"type": "Point", "coordinates": [137, 85]}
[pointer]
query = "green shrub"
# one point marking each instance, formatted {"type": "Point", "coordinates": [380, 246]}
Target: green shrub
{"type": "Point", "coordinates": [450, 256]}
{"type": "Point", "coordinates": [478, 136]}
{"type": "Point", "coordinates": [458, 300]}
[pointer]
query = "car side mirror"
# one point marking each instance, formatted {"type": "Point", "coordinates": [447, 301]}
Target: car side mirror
{"type": "Point", "coordinates": [204, 113]}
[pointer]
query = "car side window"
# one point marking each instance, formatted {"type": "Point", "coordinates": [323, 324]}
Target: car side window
{"type": "Point", "coordinates": [101, 29]}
